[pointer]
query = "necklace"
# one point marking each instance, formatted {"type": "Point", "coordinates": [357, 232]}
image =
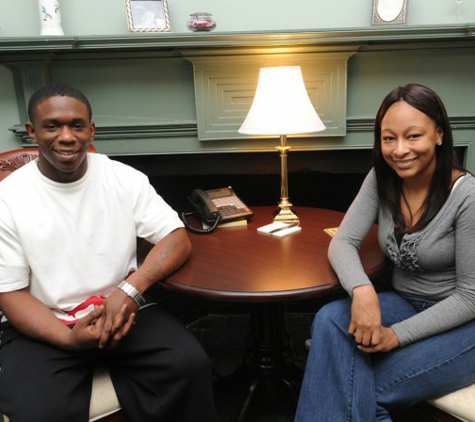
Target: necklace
{"type": "Point", "coordinates": [412, 209]}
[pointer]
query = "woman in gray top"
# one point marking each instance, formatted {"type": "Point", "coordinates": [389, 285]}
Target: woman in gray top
{"type": "Point", "coordinates": [374, 351]}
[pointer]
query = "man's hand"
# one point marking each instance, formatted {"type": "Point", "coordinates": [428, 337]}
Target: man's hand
{"type": "Point", "coordinates": [35, 320]}
{"type": "Point", "coordinates": [365, 324]}
{"type": "Point", "coordinates": [117, 320]}
{"type": "Point", "coordinates": [163, 259]}
{"type": "Point", "coordinates": [86, 332]}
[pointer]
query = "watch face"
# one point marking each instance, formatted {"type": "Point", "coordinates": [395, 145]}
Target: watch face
{"type": "Point", "coordinates": [138, 298]}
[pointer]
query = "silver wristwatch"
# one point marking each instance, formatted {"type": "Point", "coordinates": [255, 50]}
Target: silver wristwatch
{"type": "Point", "coordinates": [132, 292]}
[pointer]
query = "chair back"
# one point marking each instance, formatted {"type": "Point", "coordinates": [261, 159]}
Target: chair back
{"type": "Point", "coordinates": [14, 159]}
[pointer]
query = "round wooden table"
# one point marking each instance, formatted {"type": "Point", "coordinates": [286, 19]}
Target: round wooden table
{"type": "Point", "coordinates": [238, 264]}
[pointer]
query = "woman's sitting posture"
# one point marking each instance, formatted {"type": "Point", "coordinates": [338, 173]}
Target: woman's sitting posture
{"type": "Point", "coordinates": [417, 342]}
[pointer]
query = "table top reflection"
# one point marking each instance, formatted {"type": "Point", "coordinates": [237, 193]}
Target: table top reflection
{"type": "Point", "coordinates": [239, 264]}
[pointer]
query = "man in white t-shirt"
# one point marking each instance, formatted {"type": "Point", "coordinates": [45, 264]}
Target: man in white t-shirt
{"type": "Point", "coordinates": [70, 289]}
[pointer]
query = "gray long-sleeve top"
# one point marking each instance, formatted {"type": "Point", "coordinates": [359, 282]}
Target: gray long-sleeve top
{"type": "Point", "coordinates": [435, 264]}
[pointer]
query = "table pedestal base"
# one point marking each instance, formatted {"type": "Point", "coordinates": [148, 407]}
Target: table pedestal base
{"type": "Point", "coordinates": [268, 373]}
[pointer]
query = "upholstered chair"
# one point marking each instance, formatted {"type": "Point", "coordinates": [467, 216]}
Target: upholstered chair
{"type": "Point", "coordinates": [454, 407]}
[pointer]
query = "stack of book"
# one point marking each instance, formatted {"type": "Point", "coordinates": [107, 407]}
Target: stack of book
{"type": "Point", "coordinates": [233, 223]}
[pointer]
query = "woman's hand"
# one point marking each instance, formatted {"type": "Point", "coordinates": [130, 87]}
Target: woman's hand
{"type": "Point", "coordinates": [365, 324]}
{"type": "Point", "coordinates": [387, 342]}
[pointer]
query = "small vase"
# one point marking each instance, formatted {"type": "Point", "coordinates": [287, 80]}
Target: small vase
{"type": "Point", "coordinates": [50, 17]}
{"type": "Point", "coordinates": [201, 21]}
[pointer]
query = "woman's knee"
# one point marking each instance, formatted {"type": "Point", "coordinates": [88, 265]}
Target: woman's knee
{"type": "Point", "coordinates": [333, 315]}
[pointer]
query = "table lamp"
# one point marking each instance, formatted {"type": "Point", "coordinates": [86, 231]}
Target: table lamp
{"type": "Point", "coordinates": [282, 107]}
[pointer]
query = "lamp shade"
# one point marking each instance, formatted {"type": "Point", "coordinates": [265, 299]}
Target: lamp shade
{"type": "Point", "coordinates": [281, 105]}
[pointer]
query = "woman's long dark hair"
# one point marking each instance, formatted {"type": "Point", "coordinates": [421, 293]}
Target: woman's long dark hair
{"type": "Point", "coordinates": [389, 183]}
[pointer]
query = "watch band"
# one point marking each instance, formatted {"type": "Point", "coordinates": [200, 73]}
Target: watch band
{"type": "Point", "coordinates": [132, 292]}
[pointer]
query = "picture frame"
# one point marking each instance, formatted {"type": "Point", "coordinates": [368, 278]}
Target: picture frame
{"type": "Point", "coordinates": [147, 15]}
{"type": "Point", "coordinates": [389, 12]}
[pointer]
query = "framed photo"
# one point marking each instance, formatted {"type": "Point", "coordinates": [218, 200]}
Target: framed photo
{"type": "Point", "coordinates": [387, 12]}
{"type": "Point", "coordinates": [147, 15]}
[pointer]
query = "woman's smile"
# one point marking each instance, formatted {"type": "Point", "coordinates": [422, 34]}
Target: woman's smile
{"type": "Point", "coordinates": [405, 163]}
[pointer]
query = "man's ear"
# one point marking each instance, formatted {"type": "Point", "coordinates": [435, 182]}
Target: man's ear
{"type": "Point", "coordinates": [31, 131]}
{"type": "Point", "coordinates": [93, 131]}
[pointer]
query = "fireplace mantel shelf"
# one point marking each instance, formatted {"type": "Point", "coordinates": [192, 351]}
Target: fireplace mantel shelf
{"type": "Point", "coordinates": [366, 38]}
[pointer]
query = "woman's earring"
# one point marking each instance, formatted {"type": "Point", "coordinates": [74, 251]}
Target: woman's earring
{"type": "Point", "coordinates": [439, 143]}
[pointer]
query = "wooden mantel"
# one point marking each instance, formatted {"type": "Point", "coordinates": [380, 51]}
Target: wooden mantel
{"type": "Point", "coordinates": [177, 93]}
{"type": "Point", "coordinates": [397, 37]}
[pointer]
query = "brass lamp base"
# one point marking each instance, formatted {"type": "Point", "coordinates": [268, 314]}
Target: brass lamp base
{"type": "Point", "coordinates": [285, 216]}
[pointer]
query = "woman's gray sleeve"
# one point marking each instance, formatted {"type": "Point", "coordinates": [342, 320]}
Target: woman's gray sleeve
{"type": "Point", "coordinates": [343, 252]}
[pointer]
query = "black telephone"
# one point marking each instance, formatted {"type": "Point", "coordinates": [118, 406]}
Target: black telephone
{"type": "Point", "coordinates": [215, 206]}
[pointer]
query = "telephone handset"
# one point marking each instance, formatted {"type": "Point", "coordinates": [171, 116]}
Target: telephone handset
{"type": "Point", "coordinates": [203, 204]}
{"type": "Point", "coordinates": [215, 206]}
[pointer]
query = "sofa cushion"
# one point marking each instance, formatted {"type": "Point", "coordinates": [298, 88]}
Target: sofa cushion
{"type": "Point", "coordinates": [460, 403]}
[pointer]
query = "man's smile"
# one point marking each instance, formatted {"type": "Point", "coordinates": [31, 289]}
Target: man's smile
{"type": "Point", "coordinates": [66, 152]}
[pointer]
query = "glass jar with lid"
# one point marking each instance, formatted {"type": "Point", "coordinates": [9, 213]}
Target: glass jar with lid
{"type": "Point", "coordinates": [201, 21]}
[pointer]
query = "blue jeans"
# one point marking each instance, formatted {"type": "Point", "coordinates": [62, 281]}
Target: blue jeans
{"type": "Point", "coordinates": [342, 383]}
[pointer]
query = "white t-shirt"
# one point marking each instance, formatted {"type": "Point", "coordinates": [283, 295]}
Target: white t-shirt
{"type": "Point", "coordinates": [73, 243]}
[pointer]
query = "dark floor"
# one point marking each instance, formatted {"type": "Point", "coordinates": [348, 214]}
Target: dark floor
{"type": "Point", "coordinates": [224, 337]}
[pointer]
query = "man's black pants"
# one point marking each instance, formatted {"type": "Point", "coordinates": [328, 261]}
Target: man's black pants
{"type": "Point", "coordinates": [160, 373]}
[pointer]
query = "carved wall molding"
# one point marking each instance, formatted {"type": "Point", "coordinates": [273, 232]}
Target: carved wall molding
{"type": "Point", "coordinates": [225, 88]}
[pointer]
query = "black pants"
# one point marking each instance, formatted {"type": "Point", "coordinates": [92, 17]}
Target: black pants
{"type": "Point", "coordinates": [160, 373]}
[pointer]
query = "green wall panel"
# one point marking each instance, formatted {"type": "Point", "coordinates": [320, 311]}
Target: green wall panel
{"type": "Point", "coordinates": [134, 92]}
{"type": "Point", "coordinates": [143, 89]}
